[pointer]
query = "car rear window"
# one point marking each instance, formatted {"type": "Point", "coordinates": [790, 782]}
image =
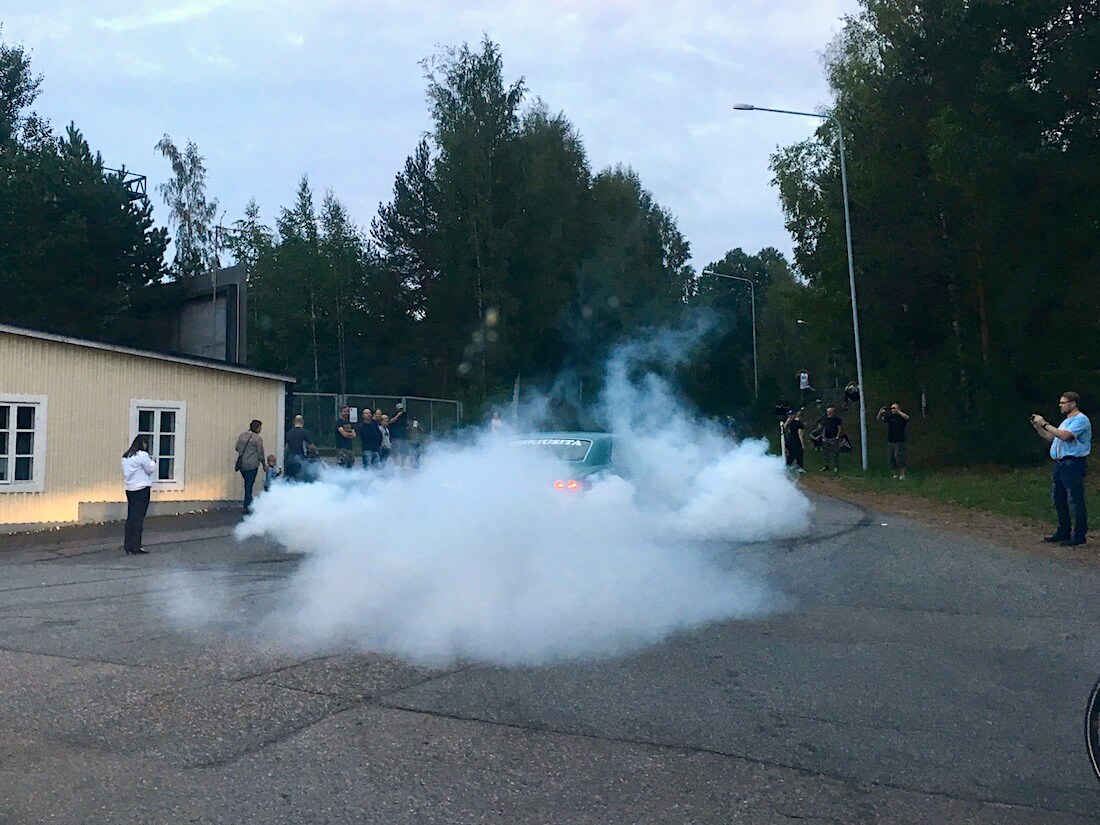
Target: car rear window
{"type": "Point", "coordinates": [563, 449]}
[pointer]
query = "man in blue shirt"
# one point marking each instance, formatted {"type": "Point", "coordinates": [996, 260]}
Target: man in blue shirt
{"type": "Point", "coordinates": [1070, 443]}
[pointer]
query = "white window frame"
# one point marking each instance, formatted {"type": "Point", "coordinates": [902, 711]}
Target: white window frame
{"type": "Point", "coordinates": [37, 483]}
{"type": "Point", "coordinates": [179, 482]}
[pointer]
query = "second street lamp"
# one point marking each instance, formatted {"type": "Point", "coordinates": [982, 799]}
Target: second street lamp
{"type": "Point", "coordinates": [748, 107]}
{"type": "Point", "coordinates": [752, 293]}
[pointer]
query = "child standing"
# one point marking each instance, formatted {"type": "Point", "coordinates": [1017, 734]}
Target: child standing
{"type": "Point", "coordinates": [272, 473]}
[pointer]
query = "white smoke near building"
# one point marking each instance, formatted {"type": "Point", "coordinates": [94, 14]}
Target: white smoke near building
{"type": "Point", "coordinates": [475, 555]}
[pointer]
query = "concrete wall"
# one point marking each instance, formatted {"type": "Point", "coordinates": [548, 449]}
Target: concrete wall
{"type": "Point", "coordinates": [212, 327]}
{"type": "Point", "coordinates": [202, 328]}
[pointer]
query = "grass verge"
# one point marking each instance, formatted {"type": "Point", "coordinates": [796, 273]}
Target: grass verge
{"type": "Point", "coordinates": [1018, 492]}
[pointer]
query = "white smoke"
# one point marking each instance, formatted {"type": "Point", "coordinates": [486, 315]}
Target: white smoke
{"type": "Point", "coordinates": [476, 556]}
{"type": "Point", "coordinates": [690, 478]}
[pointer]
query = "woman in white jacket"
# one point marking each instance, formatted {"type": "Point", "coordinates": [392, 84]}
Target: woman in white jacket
{"type": "Point", "coordinates": [138, 472]}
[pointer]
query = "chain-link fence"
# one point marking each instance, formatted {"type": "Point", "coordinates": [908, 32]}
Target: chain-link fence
{"type": "Point", "coordinates": [437, 416]}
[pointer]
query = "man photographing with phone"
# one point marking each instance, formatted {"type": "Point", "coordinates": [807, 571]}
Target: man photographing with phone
{"type": "Point", "coordinates": [1070, 444]}
{"type": "Point", "coordinates": [895, 420]}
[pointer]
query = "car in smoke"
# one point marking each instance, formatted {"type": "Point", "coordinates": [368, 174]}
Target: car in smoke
{"type": "Point", "coordinates": [586, 455]}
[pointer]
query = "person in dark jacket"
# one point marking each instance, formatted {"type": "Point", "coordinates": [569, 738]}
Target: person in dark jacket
{"type": "Point", "coordinates": [370, 439]}
{"type": "Point", "coordinates": [794, 442]}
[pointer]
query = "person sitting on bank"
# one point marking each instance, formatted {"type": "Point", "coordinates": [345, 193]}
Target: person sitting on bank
{"type": "Point", "coordinates": [805, 391]}
{"type": "Point", "coordinates": [851, 394]}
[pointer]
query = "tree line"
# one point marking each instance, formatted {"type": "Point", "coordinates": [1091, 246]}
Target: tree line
{"type": "Point", "coordinates": [79, 252]}
{"type": "Point", "coordinates": [973, 145]}
{"type": "Point", "coordinates": [973, 151]}
{"type": "Point", "coordinates": [501, 255]}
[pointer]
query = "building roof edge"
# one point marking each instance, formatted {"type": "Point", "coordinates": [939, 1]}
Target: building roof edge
{"type": "Point", "coordinates": [142, 353]}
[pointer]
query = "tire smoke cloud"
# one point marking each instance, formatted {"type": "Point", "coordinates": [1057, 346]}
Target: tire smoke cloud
{"type": "Point", "coordinates": [476, 556]}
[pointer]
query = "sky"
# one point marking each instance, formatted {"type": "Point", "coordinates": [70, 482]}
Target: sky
{"type": "Point", "coordinates": [335, 89]}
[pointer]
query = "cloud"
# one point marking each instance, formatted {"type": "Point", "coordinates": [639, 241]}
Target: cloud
{"type": "Point", "coordinates": [271, 90]}
{"type": "Point", "coordinates": [159, 16]}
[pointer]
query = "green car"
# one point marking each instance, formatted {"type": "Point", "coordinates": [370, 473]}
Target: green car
{"type": "Point", "coordinates": [586, 454]}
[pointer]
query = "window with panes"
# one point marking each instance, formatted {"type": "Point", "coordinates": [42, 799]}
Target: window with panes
{"type": "Point", "coordinates": [160, 427]}
{"type": "Point", "coordinates": [22, 430]}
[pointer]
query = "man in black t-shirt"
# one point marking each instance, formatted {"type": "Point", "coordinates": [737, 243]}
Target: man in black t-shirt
{"type": "Point", "coordinates": [895, 421]}
{"type": "Point", "coordinates": [298, 440]}
{"type": "Point", "coordinates": [832, 430]}
{"type": "Point", "coordinates": [345, 437]}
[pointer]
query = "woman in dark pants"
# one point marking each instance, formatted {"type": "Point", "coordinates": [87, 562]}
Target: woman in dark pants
{"type": "Point", "coordinates": [138, 472]}
{"type": "Point", "coordinates": [250, 457]}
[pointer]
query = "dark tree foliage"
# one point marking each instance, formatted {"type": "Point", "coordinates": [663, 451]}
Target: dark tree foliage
{"type": "Point", "coordinates": [513, 258]}
{"type": "Point", "coordinates": [973, 161]}
{"type": "Point", "coordinates": [720, 377]}
{"type": "Point", "coordinates": [635, 273]}
{"type": "Point", "coordinates": [18, 90]}
{"type": "Point", "coordinates": [77, 254]}
{"type": "Point", "coordinates": [500, 256]}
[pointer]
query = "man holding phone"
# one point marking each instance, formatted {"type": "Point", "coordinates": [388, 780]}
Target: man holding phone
{"type": "Point", "coordinates": [895, 420]}
{"type": "Point", "coordinates": [1070, 444]}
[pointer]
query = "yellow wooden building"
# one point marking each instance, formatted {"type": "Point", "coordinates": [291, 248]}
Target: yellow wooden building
{"type": "Point", "coordinates": [69, 408]}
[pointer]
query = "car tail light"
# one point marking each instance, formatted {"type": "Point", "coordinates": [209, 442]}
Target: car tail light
{"type": "Point", "coordinates": [572, 484]}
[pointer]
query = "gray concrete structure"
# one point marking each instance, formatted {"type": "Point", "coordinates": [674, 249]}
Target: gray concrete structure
{"type": "Point", "coordinates": [914, 677]}
{"type": "Point", "coordinates": [210, 319]}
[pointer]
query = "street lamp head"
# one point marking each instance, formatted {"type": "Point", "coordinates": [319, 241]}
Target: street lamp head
{"type": "Point", "coordinates": [743, 107]}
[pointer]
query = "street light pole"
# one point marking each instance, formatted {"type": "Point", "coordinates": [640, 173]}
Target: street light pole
{"type": "Point", "coordinates": [748, 107]}
{"type": "Point", "coordinates": [752, 297]}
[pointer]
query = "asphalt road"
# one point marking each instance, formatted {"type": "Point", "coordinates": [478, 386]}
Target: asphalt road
{"type": "Point", "coordinates": [914, 676]}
